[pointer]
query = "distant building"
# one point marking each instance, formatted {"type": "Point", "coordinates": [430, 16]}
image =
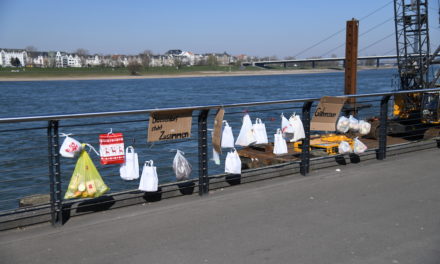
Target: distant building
{"type": "Point", "coordinates": [7, 54]}
{"type": "Point", "coordinates": [93, 61]}
{"type": "Point", "coordinates": [63, 60]}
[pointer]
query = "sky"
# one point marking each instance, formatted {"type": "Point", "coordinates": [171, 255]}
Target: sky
{"type": "Point", "coordinates": [253, 27]}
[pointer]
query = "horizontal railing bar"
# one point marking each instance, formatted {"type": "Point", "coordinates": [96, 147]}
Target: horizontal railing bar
{"type": "Point", "coordinates": [146, 111]}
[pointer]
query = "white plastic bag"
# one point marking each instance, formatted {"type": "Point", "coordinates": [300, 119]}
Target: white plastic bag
{"type": "Point", "coordinates": [344, 147]}
{"type": "Point", "coordinates": [286, 127]}
{"type": "Point", "coordinates": [343, 124]}
{"type": "Point", "coordinates": [354, 123]}
{"type": "Point", "coordinates": [280, 146]}
{"type": "Point", "coordinates": [260, 134]}
{"type": "Point", "coordinates": [298, 128]}
{"type": "Point", "coordinates": [70, 147]}
{"type": "Point", "coordinates": [227, 136]}
{"type": "Point", "coordinates": [233, 163]}
{"type": "Point", "coordinates": [149, 180]}
{"type": "Point", "coordinates": [246, 136]}
{"type": "Point", "coordinates": [181, 166]}
{"type": "Point", "coordinates": [359, 147]}
{"type": "Point", "coordinates": [215, 157]}
{"type": "Point", "coordinates": [129, 170]}
{"type": "Point", "coordinates": [364, 127]}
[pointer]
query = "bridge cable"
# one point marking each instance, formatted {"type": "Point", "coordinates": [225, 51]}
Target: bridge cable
{"type": "Point", "coordinates": [341, 30]}
{"type": "Point", "coordinates": [376, 42]}
{"type": "Point", "coordinates": [364, 33]}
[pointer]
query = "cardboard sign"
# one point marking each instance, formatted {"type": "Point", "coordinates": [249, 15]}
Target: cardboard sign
{"type": "Point", "coordinates": [327, 113]}
{"type": "Point", "coordinates": [169, 125]}
{"type": "Point", "coordinates": [217, 134]}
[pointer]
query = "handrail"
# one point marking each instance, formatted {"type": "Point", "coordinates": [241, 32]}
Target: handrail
{"type": "Point", "coordinates": [146, 111]}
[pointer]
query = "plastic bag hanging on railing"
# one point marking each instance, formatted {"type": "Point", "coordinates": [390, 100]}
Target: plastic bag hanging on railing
{"type": "Point", "coordinates": [181, 166]}
{"type": "Point", "coordinates": [129, 170]}
{"type": "Point", "coordinates": [359, 147]}
{"type": "Point", "coordinates": [86, 182]}
{"type": "Point", "coordinates": [233, 162]}
{"type": "Point", "coordinates": [246, 136]}
{"type": "Point", "coordinates": [364, 127]}
{"type": "Point", "coordinates": [298, 128]}
{"type": "Point", "coordinates": [70, 147]}
{"type": "Point", "coordinates": [149, 181]}
{"type": "Point", "coordinates": [343, 124]}
{"type": "Point", "coordinates": [354, 123]}
{"type": "Point", "coordinates": [260, 134]}
{"type": "Point", "coordinates": [227, 136]}
{"type": "Point", "coordinates": [286, 127]}
{"type": "Point", "coordinates": [111, 148]}
{"type": "Point", "coordinates": [344, 147]}
{"type": "Point", "coordinates": [280, 146]}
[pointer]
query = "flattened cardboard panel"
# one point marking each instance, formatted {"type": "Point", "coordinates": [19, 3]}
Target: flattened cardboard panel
{"type": "Point", "coordinates": [169, 125]}
{"type": "Point", "coordinates": [217, 134]}
{"type": "Point", "coordinates": [327, 113]}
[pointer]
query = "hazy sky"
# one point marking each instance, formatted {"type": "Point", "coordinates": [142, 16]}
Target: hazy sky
{"type": "Point", "coordinates": [253, 27]}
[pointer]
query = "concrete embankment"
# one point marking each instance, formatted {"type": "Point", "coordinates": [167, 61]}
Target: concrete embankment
{"type": "Point", "coordinates": [370, 212]}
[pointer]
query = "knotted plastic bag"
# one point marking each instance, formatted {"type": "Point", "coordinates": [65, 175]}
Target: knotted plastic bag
{"type": "Point", "coordinates": [246, 136]}
{"type": "Point", "coordinates": [359, 147]}
{"type": "Point", "coordinates": [344, 147]}
{"type": "Point", "coordinates": [343, 124]}
{"type": "Point", "coordinates": [129, 170]}
{"type": "Point", "coordinates": [233, 163]}
{"type": "Point", "coordinates": [181, 166]}
{"type": "Point", "coordinates": [227, 136]}
{"type": "Point", "coordinates": [70, 147]}
{"type": "Point", "coordinates": [259, 129]}
{"type": "Point", "coordinates": [86, 181]}
{"type": "Point", "coordinates": [364, 127]}
{"type": "Point", "coordinates": [354, 123]}
{"type": "Point", "coordinates": [280, 146]}
{"type": "Point", "coordinates": [149, 181]}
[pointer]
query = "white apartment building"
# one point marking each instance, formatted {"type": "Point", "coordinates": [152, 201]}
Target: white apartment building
{"type": "Point", "coordinates": [7, 54]}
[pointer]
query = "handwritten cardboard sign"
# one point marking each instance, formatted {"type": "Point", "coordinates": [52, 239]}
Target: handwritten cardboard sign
{"type": "Point", "coordinates": [169, 125]}
{"type": "Point", "coordinates": [217, 134]}
{"type": "Point", "coordinates": [327, 113]}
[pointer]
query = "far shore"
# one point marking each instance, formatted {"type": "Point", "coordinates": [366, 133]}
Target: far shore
{"type": "Point", "coordinates": [163, 76]}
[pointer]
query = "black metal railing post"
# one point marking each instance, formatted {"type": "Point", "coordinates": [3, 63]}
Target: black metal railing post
{"type": "Point", "coordinates": [54, 173]}
{"type": "Point", "coordinates": [383, 127]}
{"type": "Point", "coordinates": [305, 149]}
{"type": "Point", "coordinates": [203, 152]}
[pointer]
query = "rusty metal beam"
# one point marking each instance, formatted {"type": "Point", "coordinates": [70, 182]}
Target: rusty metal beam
{"type": "Point", "coordinates": [351, 54]}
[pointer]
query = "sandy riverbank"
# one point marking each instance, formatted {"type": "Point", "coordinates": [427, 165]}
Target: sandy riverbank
{"type": "Point", "coordinates": [186, 75]}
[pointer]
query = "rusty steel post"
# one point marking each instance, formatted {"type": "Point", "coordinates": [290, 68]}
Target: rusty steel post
{"type": "Point", "coordinates": [351, 54]}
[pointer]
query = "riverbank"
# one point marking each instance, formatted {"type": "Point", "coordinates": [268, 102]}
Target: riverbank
{"type": "Point", "coordinates": [173, 75]}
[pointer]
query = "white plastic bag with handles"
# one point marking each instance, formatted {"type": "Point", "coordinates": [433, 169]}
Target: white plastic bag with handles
{"type": "Point", "coordinates": [246, 136]}
{"type": "Point", "coordinates": [286, 127]}
{"type": "Point", "coordinates": [280, 146]}
{"type": "Point", "coordinates": [70, 147]}
{"type": "Point", "coordinates": [260, 132]}
{"type": "Point", "coordinates": [149, 180]}
{"type": "Point", "coordinates": [182, 168]}
{"type": "Point", "coordinates": [233, 163]}
{"type": "Point", "coordinates": [129, 170]}
{"type": "Point", "coordinates": [227, 136]}
{"type": "Point", "coordinates": [298, 128]}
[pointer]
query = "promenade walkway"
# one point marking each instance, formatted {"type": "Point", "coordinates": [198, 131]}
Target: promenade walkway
{"type": "Point", "coordinates": [371, 212]}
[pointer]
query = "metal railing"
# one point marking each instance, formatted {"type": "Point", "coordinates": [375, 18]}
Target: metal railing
{"type": "Point", "coordinates": [27, 169]}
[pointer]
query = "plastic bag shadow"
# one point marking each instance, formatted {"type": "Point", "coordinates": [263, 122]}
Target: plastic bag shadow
{"type": "Point", "coordinates": [233, 179]}
{"type": "Point", "coordinates": [152, 197]}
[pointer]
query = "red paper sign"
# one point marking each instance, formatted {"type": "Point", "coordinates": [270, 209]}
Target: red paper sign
{"type": "Point", "coordinates": [111, 148]}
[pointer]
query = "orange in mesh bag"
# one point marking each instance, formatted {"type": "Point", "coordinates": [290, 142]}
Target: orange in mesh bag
{"type": "Point", "coordinates": [86, 182]}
